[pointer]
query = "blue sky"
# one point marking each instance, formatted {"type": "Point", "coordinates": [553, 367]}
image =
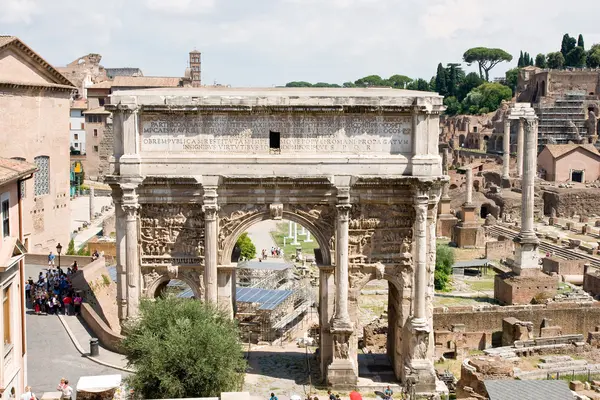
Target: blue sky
{"type": "Point", "coordinates": [271, 42]}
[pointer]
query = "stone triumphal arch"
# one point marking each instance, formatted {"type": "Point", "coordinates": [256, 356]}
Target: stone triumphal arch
{"type": "Point", "coordinates": [194, 168]}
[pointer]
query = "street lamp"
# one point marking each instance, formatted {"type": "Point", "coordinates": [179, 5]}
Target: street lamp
{"type": "Point", "coordinates": [58, 250]}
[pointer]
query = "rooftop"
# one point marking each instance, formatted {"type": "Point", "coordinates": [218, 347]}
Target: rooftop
{"type": "Point", "coordinates": [527, 390]}
{"type": "Point", "coordinates": [227, 96]}
{"type": "Point", "coordinates": [275, 266]}
{"type": "Point", "coordinates": [559, 150]}
{"type": "Point", "coordinates": [268, 299]}
{"type": "Point", "coordinates": [145, 81]}
{"type": "Point", "coordinates": [11, 169]}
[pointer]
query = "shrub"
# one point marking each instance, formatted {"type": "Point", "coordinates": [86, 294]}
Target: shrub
{"type": "Point", "coordinates": [247, 248]}
{"type": "Point", "coordinates": [443, 266]}
{"type": "Point", "coordinates": [183, 348]}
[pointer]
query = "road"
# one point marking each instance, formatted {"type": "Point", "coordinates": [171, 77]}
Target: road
{"type": "Point", "coordinates": [51, 354]}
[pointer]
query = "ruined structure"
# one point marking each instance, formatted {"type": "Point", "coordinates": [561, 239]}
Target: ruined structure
{"type": "Point", "coordinates": [360, 168]}
{"type": "Point", "coordinates": [469, 233]}
{"type": "Point", "coordinates": [446, 220]}
{"type": "Point", "coordinates": [526, 281]}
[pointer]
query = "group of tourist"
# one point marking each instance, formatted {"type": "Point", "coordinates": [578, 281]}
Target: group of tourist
{"type": "Point", "coordinates": [275, 252]}
{"type": "Point", "coordinates": [63, 387]}
{"type": "Point", "coordinates": [53, 292]}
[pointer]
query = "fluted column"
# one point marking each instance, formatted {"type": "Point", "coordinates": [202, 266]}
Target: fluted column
{"type": "Point", "coordinates": [121, 256]}
{"type": "Point", "coordinates": [210, 244]}
{"type": "Point", "coordinates": [528, 181]}
{"type": "Point", "coordinates": [130, 208]}
{"type": "Point", "coordinates": [527, 257]}
{"type": "Point", "coordinates": [445, 186]}
{"type": "Point", "coordinates": [419, 321]}
{"type": "Point", "coordinates": [520, 144]}
{"type": "Point", "coordinates": [506, 149]}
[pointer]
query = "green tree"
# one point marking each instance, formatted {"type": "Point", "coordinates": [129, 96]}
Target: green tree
{"type": "Point", "coordinates": [440, 80]}
{"type": "Point", "coordinates": [247, 248]}
{"type": "Point", "coordinates": [444, 260]}
{"type": "Point", "coordinates": [83, 251]}
{"type": "Point", "coordinates": [71, 248]}
{"type": "Point", "coordinates": [419, 84]}
{"type": "Point", "coordinates": [556, 60]}
{"type": "Point", "coordinates": [486, 97]}
{"type": "Point", "coordinates": [512, 78]}
{"type": "Point", "coordinates": [453, 106]}
{"type": "Point", "coordinates": [540, 61]}
{"type": "Point", "coordinates": [398, 81]}
{"type": "Point", "coordinates": [486, 58]}
{"type": "Point", "coordinates": [326, 85]}
{"type": "Point", "coordinates": [593, 57]}
{"type": "Point", "coordinates": [568, 44]}
{"type": "Point", "coordinates": [580, 41]}
{"type": "Point", "coordinates": [455, 75]}
{"type": "Point", "coordinates": [298, 84]}
{"type": "Point", "coordinates": [370, 81]}
{"type": "Point", "coordinates": [470, 82]}
{"type": "Point", "coordinates": [183, 348]}
{"type": "Point", "coordinates": [576, 58]}
{"type": "Point", "coordinates": [348, 84]}
{"type": "Point", "coordinates": [521, 62]}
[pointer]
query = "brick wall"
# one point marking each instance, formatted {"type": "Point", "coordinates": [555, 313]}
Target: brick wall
{"type": "Point", "coordinates": [573, 318]}
{"type": "Point", "coordinates": [498, 250]}
{"type": "Point", "coordinates": [563, 267]}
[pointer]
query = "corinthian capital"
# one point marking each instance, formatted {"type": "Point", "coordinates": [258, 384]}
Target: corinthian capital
{"type": "Point", "coordinates": [130, 209]}
{"type": "Point", "coordinates": [210, 211]}
{"type": "Point", "coordinates": [343, 211]}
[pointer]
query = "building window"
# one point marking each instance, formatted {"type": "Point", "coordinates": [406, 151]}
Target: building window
{"type": "Point", "coordinates": [75, 136]}
{"type": "Point", "coordinates": [41, 179]}
{"type": "Point", "coordinates": [95, 132]}
{"type": "Point", "coordinates": [274, 142]}
{"type": "Point", "coordinates": [101, 102]}
{"type": "Point", "coordinates": [5, 218]}
{"type": "Point", "coordinates": [82, 125]}
{"type": "Point", "coordinates": [96, 149]}
{"type": "Point", "coordinates": [94, 119]}
{"type": "Point", "coordinates": [7, 314]}
{"type": "Point", "coordinates": [76, 145]}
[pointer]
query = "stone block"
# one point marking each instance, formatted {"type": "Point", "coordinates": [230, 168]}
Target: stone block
{"type": "Point", "coordinates": [469, 236]}
{"type": "Point", "coordinates": [576, 386]}
{"type": "Point", "coordinates": [584, 219]}
{"type": "Point", "coordinates": [341, 375]}
{"type": "Point", "coordinates": [514, 289]}
{"type": "Point", "coordinates": [550, 331]}
{"type": "Point", "coordinates": [445, 225]}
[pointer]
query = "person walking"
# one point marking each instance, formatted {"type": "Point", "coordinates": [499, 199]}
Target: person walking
{"type": "Point", "coordinates": [28, 394]}
{"type": "Point", "coordinates": [273, 397]}
{"type": "Point", "coordinates": [67, 391]}
{"type": "Point", "coordinates": [51, 259]}
{"type": "Point", "coordinates": [77, 300]}
{"type": "Point", "coordinates": [67, 300]}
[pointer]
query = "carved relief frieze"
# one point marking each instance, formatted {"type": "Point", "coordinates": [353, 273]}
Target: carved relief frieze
{"type": "Point", "coordinates": [322, 216]}
{"type": "Point", "coordinates": [341, 348]}
{"type": "Point", "coordinates": [172, 234]}
{"type": "Point", "coordinates": [377, 232]}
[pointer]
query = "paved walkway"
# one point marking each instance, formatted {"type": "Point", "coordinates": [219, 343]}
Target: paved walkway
{"type": "Point", "coordinates": [261, 237]}
{"type": "Point", "coordinates": [51, 354]}
{"type": "Point", "coordinates": [80, 213]}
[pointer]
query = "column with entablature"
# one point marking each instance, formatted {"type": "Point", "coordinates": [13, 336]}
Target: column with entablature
{"type": "Point", "coordinates": [506, 149]}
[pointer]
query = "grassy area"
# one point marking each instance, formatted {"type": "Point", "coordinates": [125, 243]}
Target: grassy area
{"type": "Point", "coordinates": [288, 249]}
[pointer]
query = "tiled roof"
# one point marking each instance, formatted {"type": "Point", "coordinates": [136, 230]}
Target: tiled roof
{"type": "Point", "coordinates": [79, 104]}
{"type": "Point", "coordinates": [102, 85]}
{"type": "Point", "coordinates": [59, 79]}
{"type": "Point", "coordinates": [527, 390]}
{"type": "Point", "coordinates": [145, 81]}
{"type": "Point", "coordinates": [559, 150]}
{"type": "Point", "coordinates": [11, 169]}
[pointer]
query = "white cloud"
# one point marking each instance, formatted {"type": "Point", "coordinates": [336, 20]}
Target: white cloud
{"type": "Point", "coordinates": [181, 7]}
{"type": "Point", "coordinates": [446, 17]}
{"type": "Point", "coordinates": [18, 11]}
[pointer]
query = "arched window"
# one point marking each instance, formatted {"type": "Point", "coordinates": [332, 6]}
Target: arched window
{"type": "Point", "coordinates": [41, 179]}
{"type": "Point", "coordinates": [23, 185]}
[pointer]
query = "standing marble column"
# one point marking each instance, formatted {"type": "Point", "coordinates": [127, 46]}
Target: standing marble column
{"type": "Point", "coordinates": [341, 317]}
{"type": "Point", "coordinates": [527, 242]}
{"type": "Point", "coordinates": [91, 203]}
{"type": "Point", "coordinates": [130, 208]}
{"type": "Point", "coordinates": [520, 144]}
{"type": "Point", "coordinates": [290, 226]}
{"type": "Point", "coordinates": [121, 257]}
{"type": "Point", "coordinates": [210, 244]}
{"type": "Point", "coordinates": [308, 239]}
{"type": "Point", "coordinates": [295, 242]}
{"type": "Point", "coordinates": [469, 174]}
{"type": "Point", "coordinates": [419, 321]}
{"type": "Point", "coordinates": [506, 150]}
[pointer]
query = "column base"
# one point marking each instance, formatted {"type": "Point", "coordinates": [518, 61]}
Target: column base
{"type": "Point", "coordinates": [422, 377]}
{"type": "Point", "coordinates": [341, 326]}
{"type": "Point", "coordinates": [526, 254]}
{"type": "Point", "coordinates": [341, 375]}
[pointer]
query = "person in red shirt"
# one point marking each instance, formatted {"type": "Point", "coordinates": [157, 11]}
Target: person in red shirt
{"type": "Point", "coordinates": [67, 300]}
{"type": "Point", "coordinates": [354, 395]}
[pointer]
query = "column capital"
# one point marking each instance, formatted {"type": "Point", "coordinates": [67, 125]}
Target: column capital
{"type": "Point", "coordinates": [130, 210]}
{"type": "Point", "coordinates": [210, 212]}
{"type": "Point", "coordinates": [343, 211]}
{"type": "Point", "coordinates": [343, 194]}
